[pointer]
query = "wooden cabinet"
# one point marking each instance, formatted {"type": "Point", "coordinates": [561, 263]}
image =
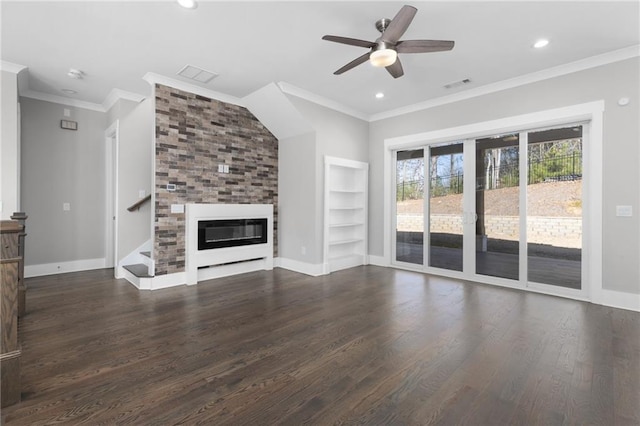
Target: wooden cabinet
{"type": "Point", "coordinates": [21, 218]}
{"type": "Point", "coordinates": [9, 344]}
{"type": "Point", "coordinates": [345, 214]}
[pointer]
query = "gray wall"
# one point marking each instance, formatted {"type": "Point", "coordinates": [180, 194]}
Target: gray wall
{"type": "Point", "coordinates": [9, 145]}
{"type": "Point", "coordinates": [337, 135]}
{"type": "Point", "coordinates": [134, 171]}
{"type": "Point", "coordinates": [621, 236]}
{"type": "Point", "coordinates": [61, 166]}
{"type": "Point", "coordinates": [297, 208]}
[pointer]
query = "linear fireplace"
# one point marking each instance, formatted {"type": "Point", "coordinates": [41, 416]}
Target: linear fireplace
{"type": "Point", "coordinates": [227, 239]}
{"type": "Point", "coordinates": [213, 234]}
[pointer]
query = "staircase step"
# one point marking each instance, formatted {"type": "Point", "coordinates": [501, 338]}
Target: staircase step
{"type": "Point", "coordinates": [139, 270]}
{"type": "Point", "coordinates": [146, 253]}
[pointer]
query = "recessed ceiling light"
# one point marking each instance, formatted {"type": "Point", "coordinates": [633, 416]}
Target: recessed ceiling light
{"type": "Point", "coordinates": [541, 43]}
{"type": "Point", "coordinates": [75, 74]}
{"type": "Point", "coordinates": [69, 91]}
{"type": "Point", "coordinates": [188, 4]}
{"type": "Point", "coordinates": [379, 95]}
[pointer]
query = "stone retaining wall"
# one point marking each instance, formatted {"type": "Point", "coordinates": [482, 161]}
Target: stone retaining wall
{"type": "Point", "coordinates": [538, 228]}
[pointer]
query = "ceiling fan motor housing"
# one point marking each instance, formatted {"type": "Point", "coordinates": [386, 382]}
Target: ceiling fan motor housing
{"type": "Point", "coordinates": [382, 24]}
{"type": "Point", "coordinates": [382, 45]}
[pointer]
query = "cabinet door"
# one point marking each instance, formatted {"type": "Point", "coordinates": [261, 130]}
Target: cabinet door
{"type": "Point", "coordinates": [9, 248]}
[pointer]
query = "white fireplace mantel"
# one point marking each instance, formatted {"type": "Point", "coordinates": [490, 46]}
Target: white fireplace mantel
{"type": "Point", "coordinates": [229, 260]}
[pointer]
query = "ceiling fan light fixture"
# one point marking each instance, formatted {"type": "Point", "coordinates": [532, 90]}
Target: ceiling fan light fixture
{"type": "Point", "coordinates": [383, 57]}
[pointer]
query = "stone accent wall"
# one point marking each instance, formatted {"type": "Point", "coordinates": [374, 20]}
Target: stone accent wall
{"type": "Point", "coordinates": [193, 135]}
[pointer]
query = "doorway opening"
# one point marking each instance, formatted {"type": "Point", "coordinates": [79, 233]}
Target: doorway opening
{"type": "Point", "coordinates": [111, 182]}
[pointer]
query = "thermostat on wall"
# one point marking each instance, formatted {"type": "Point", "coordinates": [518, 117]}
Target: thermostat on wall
{"type": "Point", "coordinates": [69, 125]}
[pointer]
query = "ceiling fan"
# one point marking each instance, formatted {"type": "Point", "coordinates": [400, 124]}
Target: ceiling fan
{"type": "Point", "coordinates": [384, 51]}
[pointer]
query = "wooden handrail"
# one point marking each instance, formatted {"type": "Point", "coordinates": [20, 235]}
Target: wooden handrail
{"type": "Point", "coordinates": [139, 203]}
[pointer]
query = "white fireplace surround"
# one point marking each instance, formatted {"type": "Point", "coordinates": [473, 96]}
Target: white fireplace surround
{"type": "Point", "coordinates": [229, 260]}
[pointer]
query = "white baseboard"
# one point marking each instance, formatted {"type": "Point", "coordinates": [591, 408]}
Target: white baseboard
{"type": "Point", "coordinates": [214, 272]}
{"type": "Point", "coordinates": [122, 273]}
{"type": "Point", "coordinates": [378, 260]}
{"type": "Point", "coordinates": [314, 270]}
{"type": "Point", "coordinates": [64, 267]}
{"type": "Point", "coordinates": [169, 280]}
{"type": "Point", "coordinates": [620, 299]}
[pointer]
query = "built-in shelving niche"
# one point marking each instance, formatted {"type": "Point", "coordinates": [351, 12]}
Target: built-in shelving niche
{"type": "Point", "coordinates": [345, 213]}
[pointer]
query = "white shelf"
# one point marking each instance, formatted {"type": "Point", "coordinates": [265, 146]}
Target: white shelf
{"type": "Point", "coordinates": [350, 241]}
{"type": "Point", "coordinates": [347, 208]}
{"type": "Point", "coordinates": [345, 219]}
{"type": "Point", "coordinates": [349, 261]}
{"type": "Point", "coordinates": [347, 191]}
{"type": "Point", "coordinates": [345, 225]}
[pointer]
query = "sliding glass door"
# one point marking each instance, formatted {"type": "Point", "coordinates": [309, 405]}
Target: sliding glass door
{"type": "Point", "coordinates": [554, 207]}
{"type": "Point", "coordinates": [446, 215]}
{"type": "Point", "coordinates": [497, 206]}
{"type": "Point", "coordinates": [409, 242]}
{"type": "Point", "coordinates": [517, 219]}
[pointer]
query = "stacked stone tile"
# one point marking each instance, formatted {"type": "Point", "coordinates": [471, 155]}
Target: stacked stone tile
{"type": "Point", "coordinates": [193, 135]}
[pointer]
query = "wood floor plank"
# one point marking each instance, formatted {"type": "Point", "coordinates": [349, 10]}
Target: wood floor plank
{"type": "Point", "coordinates": [367, 345]}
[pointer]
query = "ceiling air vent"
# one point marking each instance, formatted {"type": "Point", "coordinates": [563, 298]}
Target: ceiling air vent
{"type": "Point", "coordinates": [457, 83]}
{"type": "Point", "coordinates": [197, 74]}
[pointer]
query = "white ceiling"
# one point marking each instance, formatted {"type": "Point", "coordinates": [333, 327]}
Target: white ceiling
{"type": "Point", "coordinates": [251, 44]}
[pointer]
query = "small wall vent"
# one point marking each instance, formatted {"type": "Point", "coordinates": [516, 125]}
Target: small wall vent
{"type": "Point", "coordinates": [457, 83]}
{"type": "Point", "coordinates": [196, 74]}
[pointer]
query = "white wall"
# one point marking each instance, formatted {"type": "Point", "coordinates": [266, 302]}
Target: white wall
{"type": "Point", "coordinates": [621, 245]}
{"type": "Point", "coordinates": [63, 166]}
{"type": "Point", "coordinates": [120, 109]}
{"type": "Point", "coordinates": [9, 146]}
{"type": "Point", "coordinates": [134, 173]}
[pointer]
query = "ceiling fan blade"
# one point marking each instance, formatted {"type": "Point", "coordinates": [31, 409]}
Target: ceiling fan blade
{"type": "Point", "coordinates": [359, 60]}
{"type": "Point", "coordinates": [424, 46]}
{"type": "Point", "coordinates": [395, 69]}
{"type": "Point", "coordinates": [399, 24]}
{"type": "Point", "coordinates": [349, 41]}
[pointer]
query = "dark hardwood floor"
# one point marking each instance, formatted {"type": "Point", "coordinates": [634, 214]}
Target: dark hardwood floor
{"type": "Point", "coordinates": [368, 345]}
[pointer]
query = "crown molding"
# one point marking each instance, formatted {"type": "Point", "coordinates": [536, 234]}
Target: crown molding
{"type": "Point", "coordinates": [11, 67]}
{"type": "Point", "coordinates": [153, 78]}
{"type": "Point", "coordinates": [47, 97]}
{"type": "Point", "coordinates": [321, 100]}
{"type": "Point", "coordinates": [560, 70]}
{"type": "Point", "coordinates": [116, 94]}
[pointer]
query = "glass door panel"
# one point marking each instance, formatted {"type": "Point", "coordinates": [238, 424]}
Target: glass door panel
{"type": "Point", "coordinates": [497, 206]}
{"type": "Point", "coordinates": [410, 206]}
{"type": "Point", "coordinates": [554, 207]}
{"type": "Point", "coordinates": [446, 181]}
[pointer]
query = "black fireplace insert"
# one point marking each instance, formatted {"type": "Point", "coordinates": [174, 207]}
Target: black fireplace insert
{"type": "Point", "coordinates": [213, 234]}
